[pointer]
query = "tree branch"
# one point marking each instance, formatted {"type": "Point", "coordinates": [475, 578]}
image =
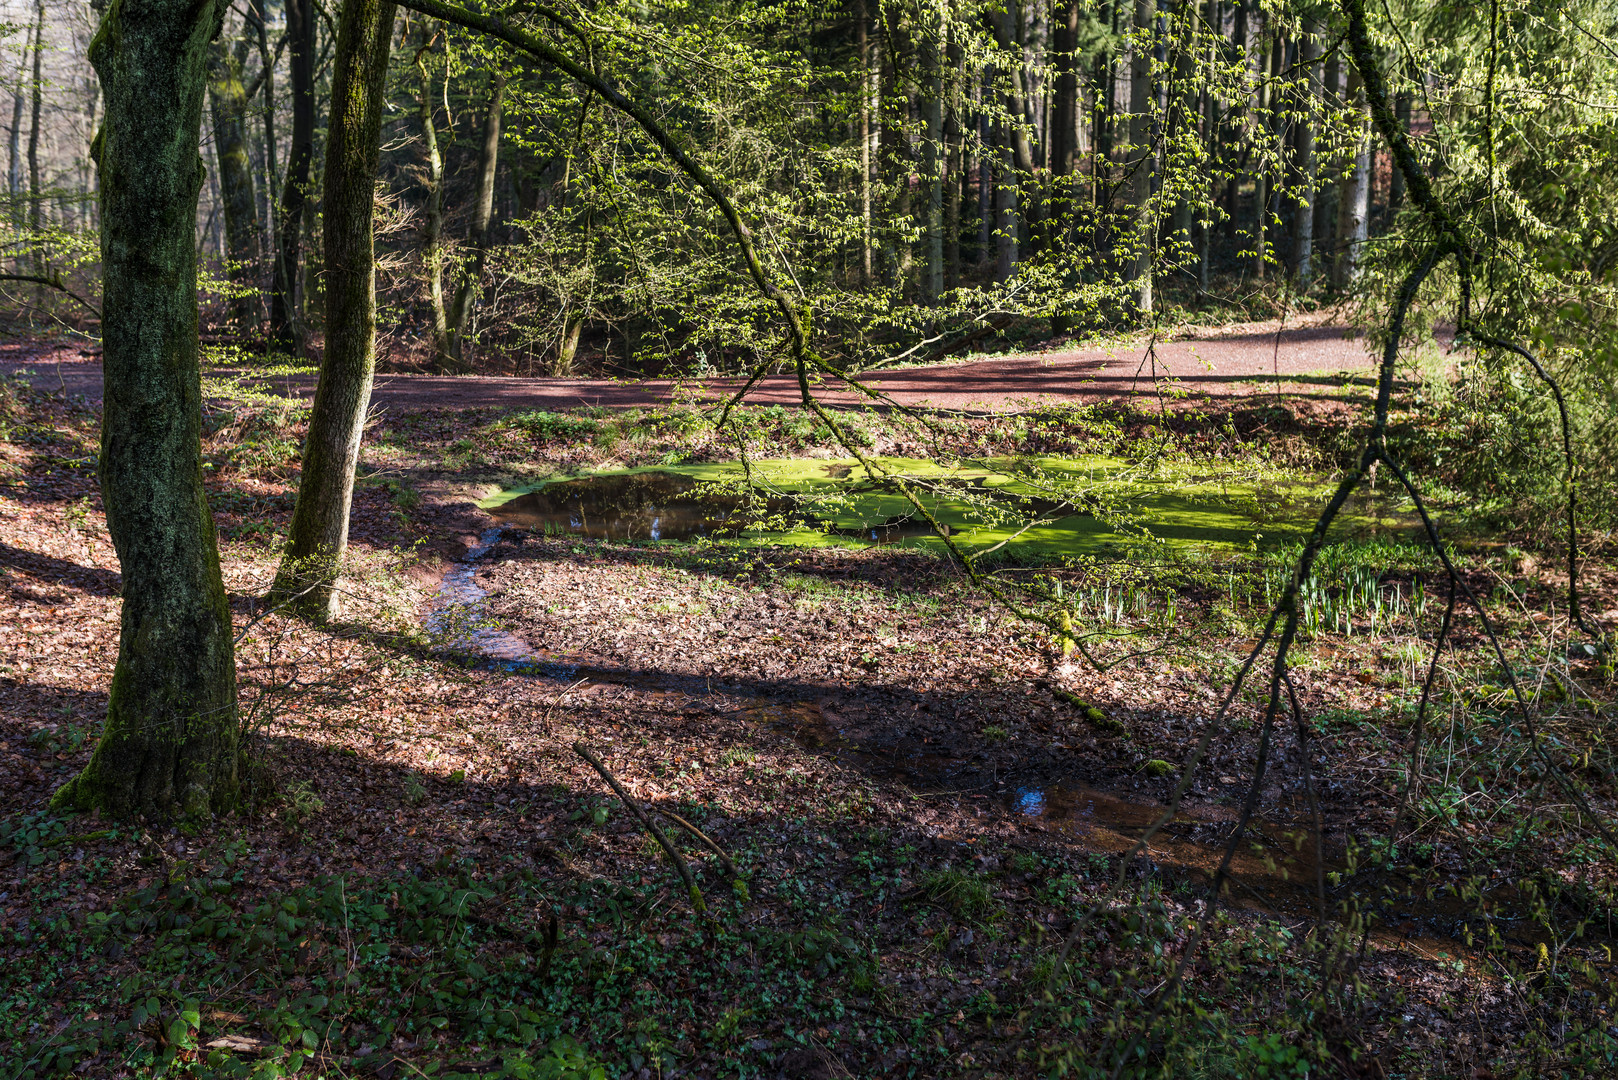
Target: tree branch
{"type": "Point", "coordinates": [53, 283]}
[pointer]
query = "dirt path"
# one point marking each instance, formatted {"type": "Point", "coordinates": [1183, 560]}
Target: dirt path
{"type": "Point", "coordinates": [1308, 362]}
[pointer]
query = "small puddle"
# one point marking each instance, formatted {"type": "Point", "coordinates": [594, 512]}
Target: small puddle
{"type": "Point", "coordinates": [1275, 864]}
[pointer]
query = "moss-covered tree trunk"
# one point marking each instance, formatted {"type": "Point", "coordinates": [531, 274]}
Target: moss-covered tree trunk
{"type": "Point", "coordinates": [227, 99]}
{"type": "Point", "coordinates": [319, 532]}
{"type": "Point", "coordinates": [169, 747]}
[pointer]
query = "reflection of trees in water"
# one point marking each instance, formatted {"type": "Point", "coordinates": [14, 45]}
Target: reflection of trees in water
{"type": "Point", "coordinates": [668, 506]}
{"type": "Point", "coordinates": [636, 506]}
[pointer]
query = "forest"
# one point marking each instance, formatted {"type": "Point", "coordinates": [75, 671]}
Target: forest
{"type": "Point", "coordinates": [766, 539]}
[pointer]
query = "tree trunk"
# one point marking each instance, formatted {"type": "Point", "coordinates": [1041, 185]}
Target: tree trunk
{"type": "Point", "coordinates": [15, 175]}
{"type": "Point", "coordinates": [870, 98]}
{"type": "Point", "coordinates": [954, 168]}
{"type": "Point", "coordinates": [169, 746]}
{"type": "Point", "coordinates": [285, 330]}
{"type": "Point", "coordinates": [568, 349]}
{"type": "Point", "coordinates": [1064, 119]}
{"type": "Point", "coordinates": [227, 98]}
{"type": "Point", "coordinates": [318, 535]}
{"type": "Point", "coordinates": [255, 20]}
{"type": "Point", "coordinates": [1141, 156]}
{"type": "Point", "coordinates": [1031, 203]}
{"type": "Point", "coordinates": [986, 168]}
{"type": "Point", "coordinates": [483, 213]}
{"type": "Point", "coordinates": [932, 160]}
{"type": "Point", "coordinates": [432, 232]}
{"type": "Point", "coordinates": [1396, 185]}
{"type": "Point", "coordinates": [1353, 223]}
{"type": "Point", "coordinates": [1328, 205]}
{"type": "Point", "coordinates": [1261, 190]}
{"type": "Point", "coordinates": [1005, 197]}
{"type": "Point", "coordinates": [35, 195]}
{"type": "Point", "coordinates": [1233, 116]}
{"type": "Point", "coordinates": [1304, 145]}
{"type": "Point", "coordinates": [1064, 136]}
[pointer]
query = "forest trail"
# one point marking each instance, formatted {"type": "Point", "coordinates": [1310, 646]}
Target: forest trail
{"type": "Point", "coordinates": [1316, 362]}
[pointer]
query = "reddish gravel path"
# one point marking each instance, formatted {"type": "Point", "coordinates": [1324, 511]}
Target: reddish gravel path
{"type": "Point", "coordinates": [1312, 361]}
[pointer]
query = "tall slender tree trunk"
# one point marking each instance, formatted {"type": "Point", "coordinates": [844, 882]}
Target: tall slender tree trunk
{"type": "Point", "coordinates": [987, 163]}
{"type": "Point", "coordinates": [1396, 185]}
{"type": "Point", "coordinates": [1064, 136]}
{"type": "Point", "coordinates": [954, 167]}
{"type": "Point", "coordinates": [1327, 238]}
{"type": "Point", "coordinates": [1007, 251]}
{"type": "Point", "coordinates": [1141, 156]}
{"type": "Point", "coordinates": [92, 122]}
{"type": "Point", "coordinates": [285, 330]}
{"type": "Point", "coordinates": [17, 99]}
{"type": "Point", "coordinates": [318, 535]}
{"type": "Point", "coordinates": [36, 196]}
{"type": "Point", "coordinates": [934, 52]}
{"type": "Point", "coordinates": [1233, 116]}
{"type": "Point", "coordinates": [169, 746]}
{"type": "Point", "coordinates": [227, 99]}
{"type": "Point", "coordinates": [870, 97]}
{"type": "Point", "coordinates": [432, 231]}
{"type": "Point", "coordinates": [1354, 217]}
{"type": "Point", "coordinates": [482, 215]}
{"type": "Point", "coordinates": [255, 19]}
{"type": "Point", "coordinates": [1007, 34]}
{"type": "Point", "coordinates": [1269, 68]}
{"type": "Point", "coordinates": [1064, 119]}
{"type": "Point", "coordinates": [1304, 145]}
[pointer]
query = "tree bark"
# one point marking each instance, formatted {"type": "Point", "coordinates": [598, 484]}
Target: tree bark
{"type": "Point", "coordinates": [318, 535]}
{"type": "Point", "coordinates": [285, 330]}
{"type": "Point", "coordinates": [169, 745]}
{"type": "Point", "coordinates": [483, 213]}
{"type": "Point", "coordinates": [227, 99]}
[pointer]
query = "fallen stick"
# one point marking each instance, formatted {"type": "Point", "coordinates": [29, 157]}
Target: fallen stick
{"type": "Point", "coordinates": [657, 834]}
{"type": "Point", "coordinates": [702, 837]}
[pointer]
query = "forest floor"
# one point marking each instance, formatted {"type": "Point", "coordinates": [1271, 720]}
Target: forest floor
{"type": "Point", "coordinates": [929, 805]}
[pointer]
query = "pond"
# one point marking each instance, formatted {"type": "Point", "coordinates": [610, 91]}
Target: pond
{"type": "Point", "coordinates": [1038, 507]}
